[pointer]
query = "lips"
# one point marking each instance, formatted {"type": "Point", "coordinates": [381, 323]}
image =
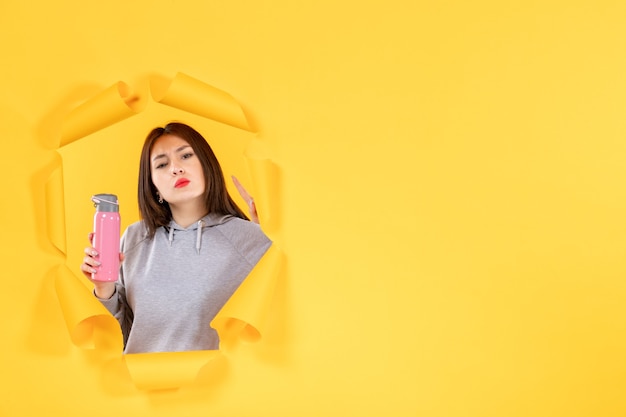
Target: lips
{"type": "Point", "coordinates": [181, 183]}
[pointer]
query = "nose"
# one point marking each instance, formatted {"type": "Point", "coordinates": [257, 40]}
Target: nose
{"type": "Point", "coordinates": [176, 170]}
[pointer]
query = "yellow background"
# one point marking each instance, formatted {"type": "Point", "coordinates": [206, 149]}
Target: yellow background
{"type": "Point", "coordinates": [451, 201]}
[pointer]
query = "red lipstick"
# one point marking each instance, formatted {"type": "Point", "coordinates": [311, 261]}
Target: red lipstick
{"type": "Point", "coordinates": [181, 182]}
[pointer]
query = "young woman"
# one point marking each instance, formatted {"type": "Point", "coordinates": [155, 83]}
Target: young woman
{"type": "Point", "coordinates": [187, 255]}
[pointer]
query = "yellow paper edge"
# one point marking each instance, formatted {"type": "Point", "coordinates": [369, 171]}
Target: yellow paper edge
{"type": "Point", "coordinates": [167, 370]}
{"type": "Point", "coordinates": [245, 313]}
{"type": "Point", "coordinates": [55, 208]}
{"type": "Point", "coordinates": [192, 95]}
{"type": "Point", "coordinates": [112, 105]}
{"type": "Point", "coordinates": [89, 323]}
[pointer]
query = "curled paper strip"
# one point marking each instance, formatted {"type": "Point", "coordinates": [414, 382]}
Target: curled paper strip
{"type": "Point", "coordinates": [90, 325]}
{"type": "Point", "coordinates": [112, 105]}
{"type": "Point", "coordinates": [187, 93]}
{"type": "Point", "coordinates": [245, 313]}
{"type": "Point", "coordinates": [264, 176]}
{"type": "Point", "coordinates": [55, 208]}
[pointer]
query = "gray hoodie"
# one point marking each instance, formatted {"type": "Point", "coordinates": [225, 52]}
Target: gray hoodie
{"type": "Point", "coordinates": [172, 286]}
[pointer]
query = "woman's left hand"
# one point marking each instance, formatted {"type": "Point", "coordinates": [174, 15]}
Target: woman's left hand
{"type": "Point", "coordinates": [248, 199]}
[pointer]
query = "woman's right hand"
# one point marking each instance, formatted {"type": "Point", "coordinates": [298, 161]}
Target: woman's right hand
{"type": "Point", "coordinates": [104, 290]}
{"type": "Point", "coordinates": [254, 216]}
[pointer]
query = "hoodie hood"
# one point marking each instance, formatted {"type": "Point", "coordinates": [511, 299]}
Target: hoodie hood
{"type": "Point", "coordinates": [210, 220]}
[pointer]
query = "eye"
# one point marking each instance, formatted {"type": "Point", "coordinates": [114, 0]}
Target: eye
{"type": "Point", "coordinates": [187, 155]}
{"type": "Point", "coordinates": [161, 165]}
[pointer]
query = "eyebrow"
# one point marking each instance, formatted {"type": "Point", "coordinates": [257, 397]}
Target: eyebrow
{"type": "Point", "coordinates": [177, 150]}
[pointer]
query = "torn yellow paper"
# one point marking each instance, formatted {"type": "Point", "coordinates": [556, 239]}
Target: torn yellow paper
{"type": "Point", "coordinates": [112, 105]}
{"type": "Point", "coordinates": [264, 174]}
{"type": "Point", "coordinates": [55, 208]}
{"type": "Point", "coordinates": [167, 370]}
{"type": "Point", "coordinates": [89, 323]}
{"type": "Point", "coordinates": [187, 93]}
{"type": "Point", "coordinates": [244, 314]}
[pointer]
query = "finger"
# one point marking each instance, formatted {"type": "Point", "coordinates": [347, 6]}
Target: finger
{"type": "Point", "coordinates": [89, 261]}
{"type": "Point", "coordinates": [90, 237]}
{"type": "Point", "coordinates": [253, 214]}
{"type": "Point", "coordinates": [91, 251]}
{"type": "Point", "coordinates": [87, 269]}
{"type": "Point", "coordinates": [242, 191]}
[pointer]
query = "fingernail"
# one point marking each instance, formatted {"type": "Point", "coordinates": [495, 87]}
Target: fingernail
{"type": "Point", "coordinates": [94, 253]}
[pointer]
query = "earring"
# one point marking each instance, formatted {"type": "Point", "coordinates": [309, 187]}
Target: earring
{"type": "Point", "coordinates": [160, 198]}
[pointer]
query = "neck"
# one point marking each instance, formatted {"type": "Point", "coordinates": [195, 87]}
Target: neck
{"type": "Point", "coordinates": [185, 216]}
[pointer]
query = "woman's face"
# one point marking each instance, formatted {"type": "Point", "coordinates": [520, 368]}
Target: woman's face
{"type": "Point", "coordinates": [176, 171]}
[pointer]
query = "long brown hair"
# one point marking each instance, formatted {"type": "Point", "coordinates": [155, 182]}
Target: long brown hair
{"type": "Point", "coordinates": [216, 197]}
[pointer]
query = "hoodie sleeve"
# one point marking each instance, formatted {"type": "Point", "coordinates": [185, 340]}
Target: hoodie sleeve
{"type": "Point", "coordinates": [248, 239]}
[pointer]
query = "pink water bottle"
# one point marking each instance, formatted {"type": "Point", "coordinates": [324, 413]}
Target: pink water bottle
{"type": "Point", "coordinates": [106, 238]}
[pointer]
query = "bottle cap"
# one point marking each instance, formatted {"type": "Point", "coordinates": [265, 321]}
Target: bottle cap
{"type": "Point", "coordinates": [105, 202]}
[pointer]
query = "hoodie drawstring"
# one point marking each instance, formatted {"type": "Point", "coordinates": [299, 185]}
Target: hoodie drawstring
{"type": "Point", "coordinates": [199, 235]}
